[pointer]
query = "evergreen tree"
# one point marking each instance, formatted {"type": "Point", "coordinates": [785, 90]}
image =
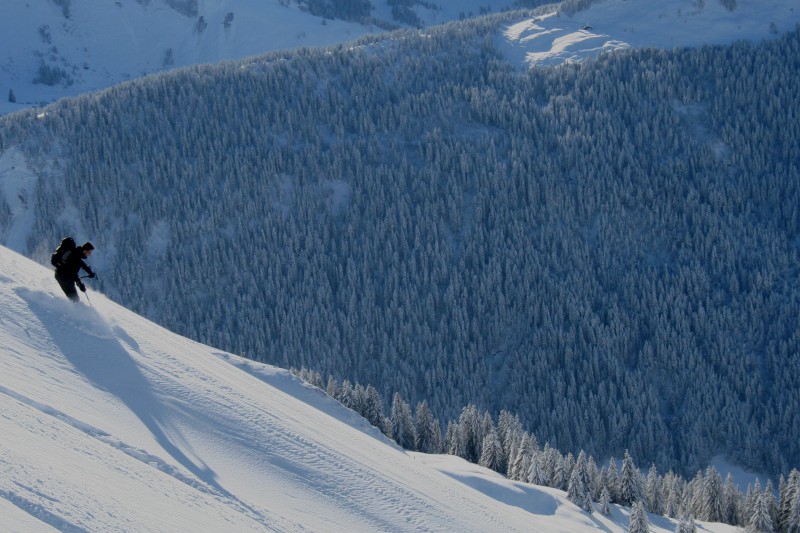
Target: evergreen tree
{"type": "Point", "coordinates": [613, 480]}
{"type": "Point", "coordinates": [470, 428]}
{"type": "Point", "coordinates": [605, 501]}
{"type": "Point", "coordinates": [510, 431]}
{"type": "Point", "coordinates": [653, 496]}
{"type": "Point", "coordinates": [638, 522]}
{"type": "Point", "coordinates": [760, 520]}
{"type": "Point", "coordinates": [587, 503]}
{"type": "Point", "coordinates": [402, 423]}
{"type": "Point", "coordinates": [536, 474]}
{"type": "Point", "coordinates": [559, 479]}
{"type": "Point", "coordinates": [346, 395]}
{"type": "Point", "coordinates": [577, 492]}
{"type": "Point", "coordinates": [426, 428]}
{"type": "Point", "coordinates": [731, 501]}
{"type": "Point", "coordinates": [686, 525]}
{"type": "Point", "coordinates": [712, 500]}
{"type": "Point", "coordinates": [454, 440]}
{"type": "Point", "coordinates": [749, 503]}
{"type": "Point", "coordinates": [593, 479]}
{"type": "Point", "coordinates": [372, 406]}
{"type": "Point", "coordinates": [332, 389]}
{"type": "Point", "coordinates": [671, 496]}
{"type": "Point", "coordinates": [694, 495]}
{"type": "Point", "coordinates": [772, 502]}
{"type": "Point", "coordinates": [361, 404]}
{"type": "Point", "coordinates": [792, 524]}
{"type": "Point", "coordinates": [492, 452]}
{"type": "Point", "coordinates": [518, 465]}
{"type": "Point", "coordinates": [789, 511]}
{"type": "Point", "coordinates": [549, 458]}
{"type": "Point", "coordinates": [630, 482]}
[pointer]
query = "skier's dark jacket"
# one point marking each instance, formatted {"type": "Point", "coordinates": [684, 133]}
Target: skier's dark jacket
{"type": "Point", "coordinates": [72, 265]}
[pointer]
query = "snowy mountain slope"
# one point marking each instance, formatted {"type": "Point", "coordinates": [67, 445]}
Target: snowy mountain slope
{"type": "Point", "coordinates": [53, 49]}
{"type": "Point", "coordinates": [102, 43]}
{"type": "Point", "coordinates": [112, 423]}
{"type": "Point", "coordinates": [555, 38]}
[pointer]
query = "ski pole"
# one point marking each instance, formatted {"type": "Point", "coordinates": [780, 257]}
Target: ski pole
{"type": "Point", "coordinates": [88, 300]}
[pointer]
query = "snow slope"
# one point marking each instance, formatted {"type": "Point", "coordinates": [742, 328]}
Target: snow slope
{"type": "Point", "coordinates": [103, 43]}
{"type": "Point", "coordinates": [610, 25]}
{"type": "Point", "coordinates": [90, 45]}
{"type": "Point", "coordinates": [111, 423]}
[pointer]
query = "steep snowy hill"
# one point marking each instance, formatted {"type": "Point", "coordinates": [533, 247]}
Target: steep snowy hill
{"type": "Point", "coordinates": [111, 423]}
{"type": "Point", "coordinates": [573, 35]}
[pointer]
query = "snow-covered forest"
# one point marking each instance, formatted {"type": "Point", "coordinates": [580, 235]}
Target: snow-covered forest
{"type": "Point", "coordinates": [608, 250]}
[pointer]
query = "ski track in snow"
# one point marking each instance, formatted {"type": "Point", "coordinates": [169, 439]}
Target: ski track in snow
{"type": "Point", "coordinates": [140, 455]}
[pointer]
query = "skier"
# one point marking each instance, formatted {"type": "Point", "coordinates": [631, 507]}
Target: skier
{"type": "Point", "coordinates": [68, 264]}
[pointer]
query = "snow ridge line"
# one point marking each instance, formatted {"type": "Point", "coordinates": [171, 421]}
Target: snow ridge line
{"type": "Point", "coordinates": [140, 455]}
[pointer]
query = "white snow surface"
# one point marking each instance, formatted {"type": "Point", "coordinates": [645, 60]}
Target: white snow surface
{"type": "Point", "coordinates": [112, 423]}
{"type": "Point", "coordinates": [102, 43]}
{"type": "Point", "coordinates": [608, 25]}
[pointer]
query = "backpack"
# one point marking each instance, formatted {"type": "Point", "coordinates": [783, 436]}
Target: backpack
{"type": "Point", "coordinates": [62, 252]}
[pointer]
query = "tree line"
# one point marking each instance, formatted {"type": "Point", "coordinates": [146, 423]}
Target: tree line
{"type": "Point", "coordinates": [502, 445]}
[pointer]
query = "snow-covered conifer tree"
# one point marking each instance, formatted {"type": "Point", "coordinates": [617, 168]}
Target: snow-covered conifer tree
{"type": "Point", "coordinates": [454, 443]}
{"type": "Point", "coordinates": [332, 388]}
{"type": "Point", "coordinates": [425, 426]}
{"type": "Point", "coordinates": [760, 519]}
{"type": "Point", "coordinates": [605, 501]}
{"type": "Point", "coordinates": [403, 431]}
{"type": "Point", "coordinates": [652, 492]}
{"type": "Point", "coordinates": [470, 427]}
{"type": "Point", "coordinates": [731, 496]}
{"type": "Point", "coordinates": [612, 475]}
{"type": "Point", "coordinates": [558, 480]}
{"type": "Point", "coordinates": [509, 429]}
{"type": "Point", "coordinates": [638, 522]}
{"type": "Point", "coordinates": [792, 524]}
{"type": "Point", "coordinates": [712, 501]}
{"type": "Point", "coordinates": [672, 495]}
{"type": "Point", "coordinates": [686, 525]}
{"type": "Point", "coordinates": [345, 395]}
{"type": "Point", "coordinates": [535, 474]}
{"type": "Point", "coordinates": [517, 463]}
{"type": "Point", "coordinates": [492, 452]}
{"type": "Point", "coordinates": [577, 491]}
{"type": "Point", "coordinates": [373, 406]}
{"type": "Point", "coordinates": [630, 482]}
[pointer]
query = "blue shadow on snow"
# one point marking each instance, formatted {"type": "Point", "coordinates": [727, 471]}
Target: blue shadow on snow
{"type": "Point", "coordinates": [92, 347]}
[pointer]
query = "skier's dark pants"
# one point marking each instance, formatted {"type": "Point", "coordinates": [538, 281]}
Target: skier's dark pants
{"type": "Point", "coordinates": [68, 286]}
